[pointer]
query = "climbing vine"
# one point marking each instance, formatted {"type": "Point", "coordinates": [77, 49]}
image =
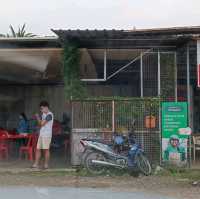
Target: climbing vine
{"type": "Point", "coordinates": [168, 74]}
{"type": "Point", "coordinates": [73, 87]}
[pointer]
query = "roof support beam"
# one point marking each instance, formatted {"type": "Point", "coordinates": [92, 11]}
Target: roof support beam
{"type": "Point", "coordinates": [125, 66]}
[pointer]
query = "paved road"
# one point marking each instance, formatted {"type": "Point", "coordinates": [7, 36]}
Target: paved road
{"type": "Point", "coordinates": [70, 193]}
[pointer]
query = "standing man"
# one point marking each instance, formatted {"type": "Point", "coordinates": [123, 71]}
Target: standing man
{"type": "Point", "coordinates": [45, 135]}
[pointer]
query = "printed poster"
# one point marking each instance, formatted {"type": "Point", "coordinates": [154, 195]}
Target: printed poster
{"type": "Point", "coordinates": [174, 143]}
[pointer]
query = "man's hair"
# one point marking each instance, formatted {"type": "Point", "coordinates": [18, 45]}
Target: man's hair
{"type": "Point", "coordinates": [44, 103]}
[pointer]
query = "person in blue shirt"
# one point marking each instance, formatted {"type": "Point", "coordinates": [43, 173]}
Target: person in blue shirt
{"type": "Point", "coordinates": [23, 124]}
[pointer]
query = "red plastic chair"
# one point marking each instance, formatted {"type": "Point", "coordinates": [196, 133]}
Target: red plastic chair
{"type": "Point", "coordinates": [27, 150]}
{"type": "Point", "coordinates": [3, 144]}
{"type": "Point", "coordinates": [4, 133]}
{"type": "Point", "coordinates": [57, 128]}
{"type": "Point", "coordinates": [3, 151]}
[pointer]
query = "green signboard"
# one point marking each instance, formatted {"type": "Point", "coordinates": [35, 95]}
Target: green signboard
{"type": "Point", "coordinates": [174, 117]}
{"type": "Point", "coordinates": [174, 144]}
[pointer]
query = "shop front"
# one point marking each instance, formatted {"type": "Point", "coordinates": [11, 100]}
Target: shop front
{"type": "Point", "coordinates": [154, 63]}
{"type": "Point", "coordinates": [30, 71]}
{"type": "Point", "coordinates": [127, 74]}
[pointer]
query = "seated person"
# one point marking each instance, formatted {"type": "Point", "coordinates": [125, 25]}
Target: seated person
{"type": "Point", "coordinates": [23, 124]}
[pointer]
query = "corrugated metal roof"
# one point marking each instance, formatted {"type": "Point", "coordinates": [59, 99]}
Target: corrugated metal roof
{"type": "Point", "coordinates": [136, 38]}
{"type": "Point", "coordinates": [29, 38]}
{"type": "Point", "coordinates": [29, 42]}
{"type": "Point", "coordinates": [193, 30]}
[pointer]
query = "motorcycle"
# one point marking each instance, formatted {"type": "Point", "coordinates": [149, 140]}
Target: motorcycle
{"type": "Point", "coordinates": [98, 155]}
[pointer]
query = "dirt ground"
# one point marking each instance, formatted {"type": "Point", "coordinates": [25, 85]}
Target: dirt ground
{"type": "Point", "coordinates": [177, 185]}
{"type": "Point", "coordinates": [167, 185]}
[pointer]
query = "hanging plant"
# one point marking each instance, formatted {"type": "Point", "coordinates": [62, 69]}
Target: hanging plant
{"type": "Point", "coordinates": [73, 87]}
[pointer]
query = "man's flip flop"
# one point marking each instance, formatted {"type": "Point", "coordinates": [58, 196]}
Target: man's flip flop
{"type": "Point", "coordinates": [34, 167]}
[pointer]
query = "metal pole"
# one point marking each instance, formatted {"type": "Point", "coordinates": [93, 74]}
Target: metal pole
{"type": "Point", "coordinates": [105, 64]}
{"type": "Point", "coordinates": [175, 75]}
{"type": "Point", "coordinates": [141, 75]}
{"type": "Point", "coordinates": [159, 88]}
{"type": "Point", "coordinates": [188, 99]}
{"type": "Point", "coordinates": [159, 111]}
{"type": "Point", "coordinates": [188, 83]}
{"type": "Point", "coordinates": [158, 73]}
{"type": "Point", "coordinates": [113, 116]}
{"type": "Point", "coordinates": [128, 64]}
{"type": "Point", "coordinates": [72, 115]}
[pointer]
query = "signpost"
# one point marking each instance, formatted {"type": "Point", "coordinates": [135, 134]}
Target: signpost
{"type": "Point", "coordinates": [198, 63]}
{"type": "Point", "coordinates": [174, 132]}
{"type": "Point", "coordinates": [198, 75]}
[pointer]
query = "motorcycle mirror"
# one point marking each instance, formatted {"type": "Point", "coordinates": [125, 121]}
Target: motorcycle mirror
{"type": "Point", "coordinates": [133, 122]}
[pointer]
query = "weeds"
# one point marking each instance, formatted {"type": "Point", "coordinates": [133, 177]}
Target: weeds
{"type": "Point", "coordinates": [181, 173]}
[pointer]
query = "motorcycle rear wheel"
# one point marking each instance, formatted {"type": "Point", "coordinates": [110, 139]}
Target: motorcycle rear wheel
{"type": "Point", "coordinates": [83, 155]}
{"type": "Point", "coordinates": [143, 164]}
{"type": "Point", "coordinates": [91, 167]}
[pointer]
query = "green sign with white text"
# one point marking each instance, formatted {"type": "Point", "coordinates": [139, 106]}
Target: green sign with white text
{"type": "Point", "coordinates": [174, 143]}
{"type": "Point", "coordinates": [174, 117]}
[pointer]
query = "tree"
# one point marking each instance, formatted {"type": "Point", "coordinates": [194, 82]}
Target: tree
{"type": "Point", "coordinates": [20, 33]}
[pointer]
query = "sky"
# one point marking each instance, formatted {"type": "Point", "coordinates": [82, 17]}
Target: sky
{"type": "Point", "coordinates": [41, 16]}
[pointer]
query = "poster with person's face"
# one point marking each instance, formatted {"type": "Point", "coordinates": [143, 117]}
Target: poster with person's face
{"type": "Point", "coordinates": [174, 144]}
{"type": "Point", "coordinates": [174, 150]}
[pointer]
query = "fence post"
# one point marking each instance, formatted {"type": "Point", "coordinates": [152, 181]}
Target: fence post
{"type": "Point", "coordinates": [175, 74]}
{"type": "Point", "coordinates": [141, 76]}
{"type": "Point", "coordinates": [159, 110]}
{"type": "Point", "coordinates": [72, 115]}
{"type": "Point", "coordinates": [113, 116]}
{"type": "Point", "coordinates": [189, 100]}
{"type": "Point", "coordinates": [159, 86]}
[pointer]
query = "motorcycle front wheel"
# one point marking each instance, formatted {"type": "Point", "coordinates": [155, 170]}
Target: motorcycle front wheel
{"type": "Point", "coordinates": [91, 167]}
{"type": "Point", "coordinates": [143, 164]}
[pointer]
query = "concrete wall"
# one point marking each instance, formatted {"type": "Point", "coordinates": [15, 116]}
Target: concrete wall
{"type": "Point", "coordinates": [77, 149]}
{"type": "Point", "coordinates": [17, 99]}
{"type": "Point", "coordinates": [53, 94]}
{"type": "Point", "coordinates": [11, 103]}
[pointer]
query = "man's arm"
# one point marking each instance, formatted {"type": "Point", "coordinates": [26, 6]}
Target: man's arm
{"type": "Point", "coordinates": [44, 122]}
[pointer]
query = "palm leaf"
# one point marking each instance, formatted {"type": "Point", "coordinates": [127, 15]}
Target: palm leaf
{"type": "Point", "coordinates": [30, 35]}
{"type": "Point", "coordinates": [19, 32]}
{"type": "Point", "coordinates": [12, 31]}
{"type": "Point", "coordinates": [23, 31]}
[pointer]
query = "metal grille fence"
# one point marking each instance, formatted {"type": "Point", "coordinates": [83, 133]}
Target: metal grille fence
{"type": "Point", "coordinates": [92, 114]}
{"type": "Point", "coordinates": [150, 74]}
{"type": "Point", "coordinates": [111, 116]}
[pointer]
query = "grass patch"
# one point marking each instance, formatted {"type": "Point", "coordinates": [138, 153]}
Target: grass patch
{"type": "Point", "coordinates": [50, 173]}
{"type": "Point", "coordinates": [110, 173]}
{"type": "Point", "coordinates": [181, 173]}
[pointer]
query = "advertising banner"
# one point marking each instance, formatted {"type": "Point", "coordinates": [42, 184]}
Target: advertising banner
{"type": "Point", "coordinates": [174, 140]}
